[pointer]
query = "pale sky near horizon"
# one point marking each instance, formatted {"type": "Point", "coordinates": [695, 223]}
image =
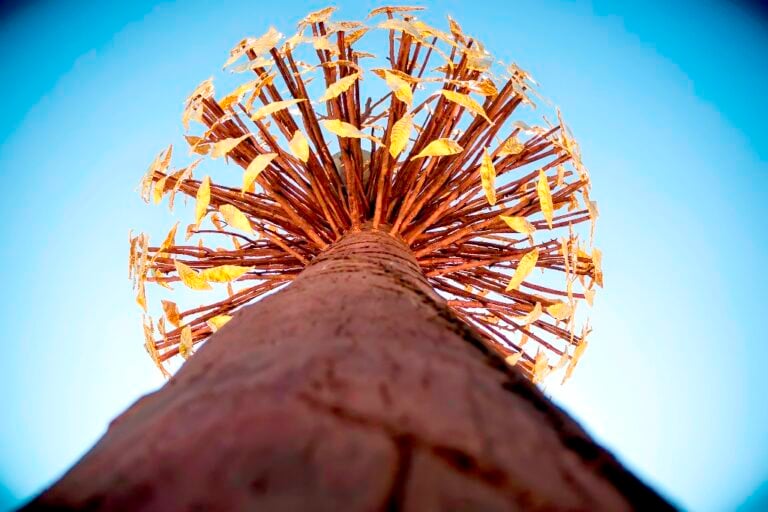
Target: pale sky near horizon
{"type": "Point", "coordinates": [668, 103]}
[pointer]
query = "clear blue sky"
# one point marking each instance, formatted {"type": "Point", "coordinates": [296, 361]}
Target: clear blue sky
{"type": "Point", "coordinates": [669, 103]}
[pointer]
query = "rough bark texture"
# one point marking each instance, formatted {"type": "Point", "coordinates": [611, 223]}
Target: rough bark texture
{"type": "Point", "coordinates": [352, 389]}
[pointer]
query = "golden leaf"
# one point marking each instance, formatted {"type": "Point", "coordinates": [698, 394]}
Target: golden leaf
{"type": "Point", "coordinates": [236, 95]}
{"type": "Point", "coordinates": [171, 311]}
{"type": "Point", "coordinates": [486, 87]}
{"type": "Point", "coordinates": [577, 353]}
{"type": "Point", "coordinates": [519, 224]}
{"type": "Point", "coordinates": [545, 197]}
{"type": "Point", "coordinates": [455, 29]}
{"type": "Point", "coordinates": [197, 145]}
{"type": "Point", "coordinates": [342, 129]}
{"type": "Point", "coordinates": [339, 86]}
{"type": "Point", "coordinates": [169, 239]}
{"type": "Point", "coordinates": [597, 261]}
{"type": "Point", "coordinates": [223, 273]}
{"type": "Point", "coordinates": [382, 73]}
{"type": "Point", "coordinates": [440, 147]}
{"type": "Point", "coordinates": [488, 177]}
{"type": "Point", "coordinates": [401, 132]}
{"type": "Point", "coordinates": [258, 45]}
{"type": "Point", "coordinates": [400, 87]}
{"type": "Point", "coordinates": [532, 315]}
{"type": "Point", "coordinates": [159, 189]}
{"type": "Point", "coordinates": [190, 278]}
{"type": "Point", "coordinates": [560, 310]}
{"type": "Point", "coordinates": [319, 16]}
{"type": "Point", "coordinates": [524, 267]}
{"type": "Point", "coordinates": [257, 165]}
{"type": "Point", "coordinates": [512, 359]}
{"type": "Point", "coordinates": [235, 218]}
{"type": "Point", "coordinates": [271, 108]}
{"type": "Point", "coordinates": [590, 296]}
{"type": "Point", "coordinates": [467, 102]}
{"type": "Point", "coordinates": [392, 9]}
{"type": "Point", "coordinates": [203, 199]}
{"type": "Point", "coordinates": [223, 147]}
{"type": "Point", "coordinates": [511, 146]}
{"type": "Point", "coordinates": [299, 146]}
{"type": "Point", "coordinates": [540, 366]}
{"type": "Point", "coordinates": [185, 342]}
{"type": "Point", "coordinates": [218, 322]}
{"type": "Point", "coordinates": [141, 298]}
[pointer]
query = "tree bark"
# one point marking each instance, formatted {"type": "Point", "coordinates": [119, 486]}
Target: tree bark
{"type": "Point", "coordinates": [352, 389]}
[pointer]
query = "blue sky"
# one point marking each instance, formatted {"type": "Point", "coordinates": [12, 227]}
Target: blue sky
{"type": "Point", "coordinates": [668, 103]}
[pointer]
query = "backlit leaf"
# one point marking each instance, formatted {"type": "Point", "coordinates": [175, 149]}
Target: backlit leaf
{"type": "Point", "coordinates": [299, 146]}
{"type": "Point", "coordinates": [400, 87]}
{"type": "Point", "coordinates": [545, 197]}
{"type": "Point", "coordinates": [342, 129]}
{"type": "Point", "coordinates": [169, 239]}
{"type": "Point", "coordinates": [512, 359]}
{"type": "Point", "coordinates": [190, 277]}
{"type": "Point", "coordinates": [532, 315]}
{"type": "Point", "coordinates": [171, 311]}
{"type": "Point", "coordinates": [467, 102]}
{"type": "Point", "coordinates": [577, 353]}
{"type": "Point", "coordinates": [223, 147]}
{"type": "Point", "coordinates": [440, 147]}
{"type": "Point", "coordinates": [218, 322]}
{"type": "Point", "coordinates": [524, 267]}
{"type": "Point", "coordinates": [519, 224]}
{"type": "Point", "coordinates": [185, 342]}
{"type": "Point", "coordinates": [223, 273]}
{"type": "Point", "coordinates": [392, 9]}
{"type": "Point", "coordinates": [488, 177]}
{"type": "Point", "coordinates": [540, 366]}
{"type": "Point", "coordinates": [511, 146]}
{"type": "Point", "coordinates": [319, 16]}
{"type": "Point", "coordinates": [235, 218]}
{"type": "Point", "coordinates": [236, 95]}
{"type": "Point", "coordinates": [257, 165]}
{"type": "Point", "coordinates": [271, 108]}
{"type": "Point", "coordinates": [560, 310]}
{"type": "Point", "coordinates": [203, 197]}
{"type": "Point", "coordinates": [401, 132]}
{"type": "Point", "coordinates": [339, 86]}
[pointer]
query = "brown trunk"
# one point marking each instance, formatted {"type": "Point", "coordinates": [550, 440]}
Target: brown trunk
{"type": "Point", "coordinates": [354, 388]}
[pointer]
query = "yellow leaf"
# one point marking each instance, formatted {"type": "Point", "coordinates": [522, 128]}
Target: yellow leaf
{"type": "Point", "coordinates": [141, 298]}
{"type": "Point", "coordinates": [191, 278]}
{"type": "Point", "coordinates": [382, 73]}
{"type": "Point", "coordinates": [223, 273]}
{"type": "Point", "coordinates": [318, 16]}
{"type": "Point", "coordinates": [400, 87]}
{"type": "Point", "coordinates": [401, 132]}
{"type": "Point", "coordinates": [512, 359]}
{"type": "Point", "coordinates": [590, 296]}
{"type": "Point", "coordinates": [236, 95]}
{"type": "Point", "coordinates": [545, 197]}
{"type": "Point", "coordinates": [488, 177]}
{"type": "Point", "coordinates": [339, 86]}
{"type": "Point", "coordinates": [524, 267]}
{"type": "Point", "coordinates": [393, 8]}
{"type": "Point", "coordinates": [577, 353]}
{"type": "Point", "coordinates": [299, 146]}
{"type": "Point", "coordinates": [203, 199]}
{"type": "Point", "coordinates": [271, 108]}
{"type": "Point", "coordinates": [560, 310]}
{"type": "Point", "coordinates": [467, 102]}
{"type": "Point", "coordinates": [223, 147]}
{"type": "Point", "coordinates": [440, 147]}
{"type": "Point", "coordinates": [218, 322]}
{"type": "Point", "coordinates": [235, 218]}
{"type": "Point", "coordinates": [159, 189]}
{"type": "Point", "coordinates": [171, 311]}
{"type": "Point", "coordinates": [540, 366]}
{"type": "Point", "coordinates": [532, 315]}
{"type": "Point", "coordinates": [597, 261]}
{"type": "Point", "coordinates": [519, 224]}
{"type": "Point", "coordinates": [343, 129]}
{"type": "Point", "coordinates": [511, 146]}
{"type": "Point", "coordinates": [255, 168]}
{"type": "Point", "coordinates": [169, 239]}
{"type": "Point", "coordinates": [185, 342]}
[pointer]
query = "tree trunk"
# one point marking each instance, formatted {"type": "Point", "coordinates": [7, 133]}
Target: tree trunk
{"type": "Point", "coordinates": [354, 388]}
